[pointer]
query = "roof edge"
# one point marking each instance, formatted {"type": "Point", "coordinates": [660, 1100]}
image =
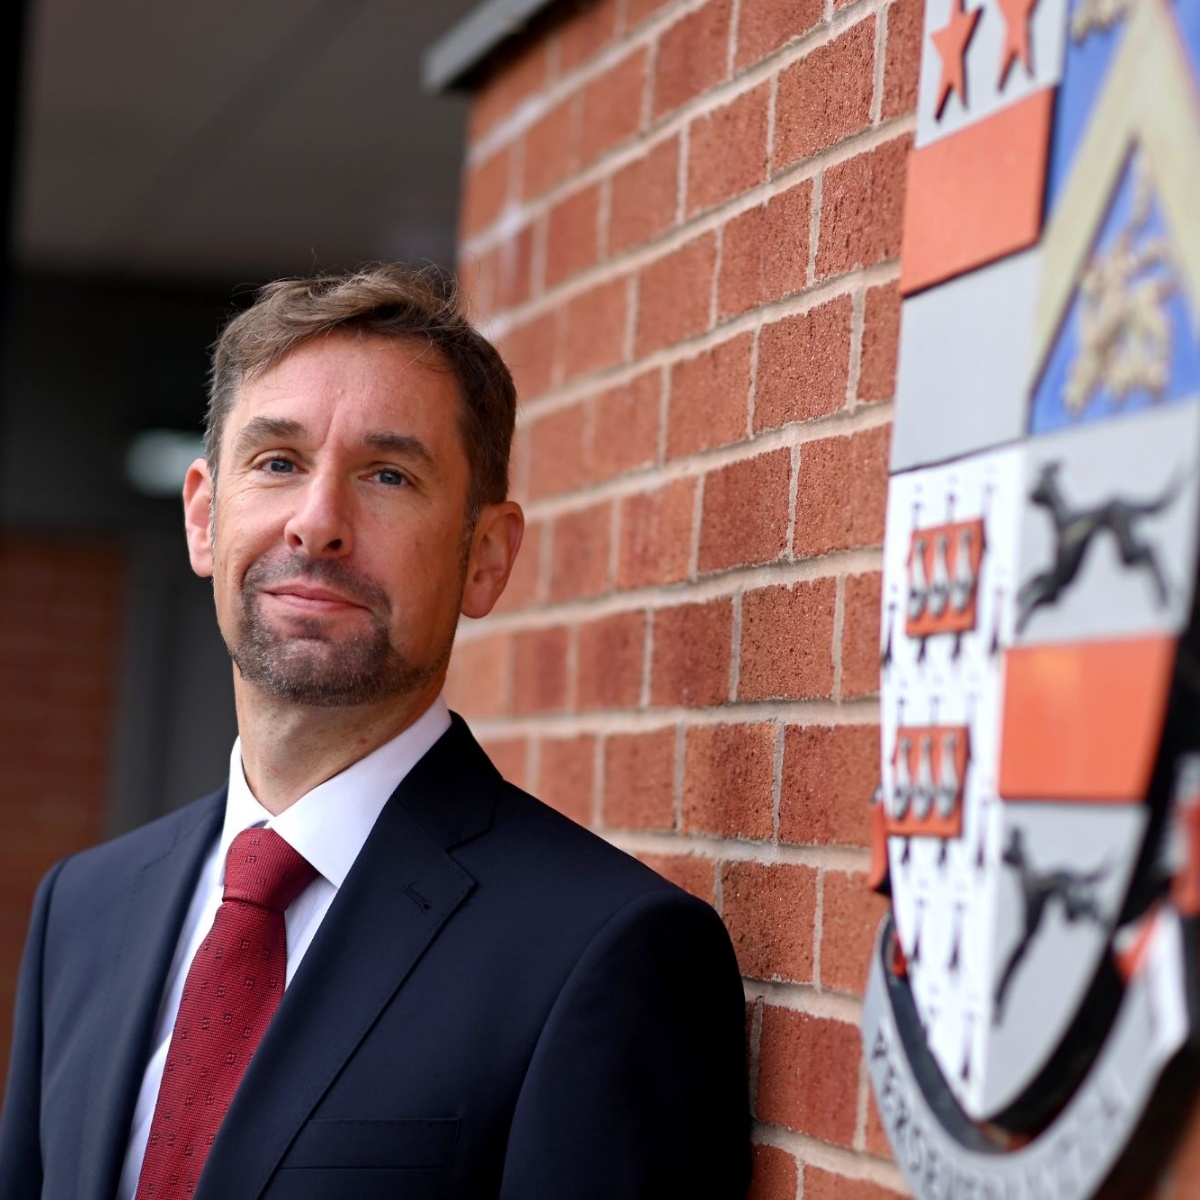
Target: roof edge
{"type": "Point", "coordinates": [448, 64]}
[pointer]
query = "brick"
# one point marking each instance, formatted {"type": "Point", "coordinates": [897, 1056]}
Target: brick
{"type": "Point", "coordinates": [637, 11]}
{"type": "Point", "coordinates": [510, 268]}
{"type": "Point", "coordinates": [752, 1008]}
{"type": "Point", "coordinates": [861, 635]}
{"type": "Point", "coordinates": [551, 150]}
{"type": "Point", "coordinates": [612, 107]}
{"type": "Point", "coordinates": [880, 343]}
{"type": "Point", "coordinates": [775, 1175]}
{"type": "Point", "coordinates": [59, 673]}
{"type": "Point", "coordinates": [745, 512]}
{"type": "Point", "coordinates": [639, 780]}
{"type": "Point", "coordinates": [579, 562]}
{"type": "Point", "coordinates": [514, 269]}
{"type": "Point", "coordinates": [557, 451]}
{"type": "Point", "coordinates": [656, 535]}
{"type": "Point", "coordinates": [476, 281]}
{"type": "Point", "coordinates": [572, 241]}
{"type": "Point", "coordinates": [764, 253]}
{"type": "Point", "coordinates": [518, 462]}
{"type": "Point", "coordinates": [540, 670]}
{"type": "Point", "coordinates": [862, 204]}
{"type": "Point", "coordinates": [566, 776]}
{"type": "Point", "coordinates": [522, 588]}
{"type": "Point", "coordinates": [475, 274]}
{"type": "Point", "coordinates": [690, 872]}
{"type": "Point", "coordinates": [766, 25]}
{"type": "Point", "coordinates": [787, 635]}
{"type": "Point", "coordinates": [625, 428]}
{"type": "Point", "coordinates": [1178, 1181]}
{"type": "Point", "coordinates": [645, 196]}
{"type": "Point", "coordinates": [824, 1185]}
{"type": "Point", "coordinates": [850, 916]}
{"type": "Point", "coordinates": [611, 652]}
{"type": "Point", "coordinates": [727, 150]}
{"type": "Point", "coordinates": [690, 662]}
{"type": "Point", "coordinates": [486, 190]}
{"type": "Point", "coordinates": [594, 325]}
{"type": "Point", "coordinates": [518, 73]}
{"type": "Point", "coordinates": [585, 33]}
{"type": "Point", "coordinates": [510, 757]}
{"type": "Point", "coordinates": [803, 365]}
{"type": "Point", "coordinates": [876, 1140]}
{"type": "Point", "coordinates": [477, 682]}
{"type": "Point", "coordinates": [529, 351]}
{"type": "Point", "coordinates": [808, 1069]}
{"type": "Point", "coordinates": [826, 96]}
{"type": "Point", "coordinates": [674, 295]}
{"type": "Point", "coordinates": [902, 59]}
{"type": "Point", "coordinates": [829, 776]}
{"type": "Point", "coordinates": [709, 398]}
{"type": "Point", "coordinates": [841, 495]}
{"type": "Point", "coordinates": [728, 772]}
{"type": "Point", "coordinates": [693, 56]}
{"type": "Point", "coordinates": [770, 912]}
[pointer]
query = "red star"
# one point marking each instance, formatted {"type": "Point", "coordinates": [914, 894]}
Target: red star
{"type": "Point", "coordinates": [951, 42]}
{"type": "Point", "coordinates": [1016, 36]}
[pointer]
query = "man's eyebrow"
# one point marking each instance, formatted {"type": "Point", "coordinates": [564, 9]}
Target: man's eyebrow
{"type": "Point", "coordinates": [400, 443]}
{"type": "Point", "coordinates": [282, 429]}
{"type": "Point", "coordinates": [268, 429]}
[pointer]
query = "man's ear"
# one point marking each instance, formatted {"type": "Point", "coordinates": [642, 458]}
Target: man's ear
{"type": "Point", "coordinates": [494, 547]}
{"type": "Point", "coordinates": [197, 516]}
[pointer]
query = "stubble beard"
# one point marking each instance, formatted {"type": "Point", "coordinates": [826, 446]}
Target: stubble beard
{"type": "Point", "coordinates": [307, 666]}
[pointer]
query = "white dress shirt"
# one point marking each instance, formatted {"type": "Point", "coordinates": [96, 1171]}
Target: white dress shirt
{"type": "Point", "coordinates": [328, 826]}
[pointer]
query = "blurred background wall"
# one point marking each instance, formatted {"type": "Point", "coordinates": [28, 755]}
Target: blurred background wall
{"type": "Point", "coordinates": [162, 161]}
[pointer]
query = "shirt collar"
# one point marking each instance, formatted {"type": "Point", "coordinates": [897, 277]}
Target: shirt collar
{"type": "Point", "coordinates": [329, 824]}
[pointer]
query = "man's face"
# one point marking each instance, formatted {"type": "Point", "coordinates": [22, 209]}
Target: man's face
{"type": "Point", "coordinates": [337, 537]}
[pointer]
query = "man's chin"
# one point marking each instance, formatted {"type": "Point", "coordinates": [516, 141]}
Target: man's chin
{"type": "Point", "coordinates": [317, 672]}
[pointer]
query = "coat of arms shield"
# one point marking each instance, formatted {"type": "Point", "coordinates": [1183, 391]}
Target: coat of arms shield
{"type": "Point", "coordinates": [1038, 819]}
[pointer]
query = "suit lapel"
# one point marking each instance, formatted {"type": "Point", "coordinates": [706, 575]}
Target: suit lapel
{"type": "Point", "coordinates": [405, 883]}
{"type": "Point", "coordinates": [158, 899]}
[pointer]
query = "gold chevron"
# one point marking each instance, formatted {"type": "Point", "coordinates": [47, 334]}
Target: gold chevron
{"type": "Point", "coordinates": [1149, 100]}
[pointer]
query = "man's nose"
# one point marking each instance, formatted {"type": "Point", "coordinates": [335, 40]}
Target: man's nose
{"type": "Point", "coordinates": [321, 525]}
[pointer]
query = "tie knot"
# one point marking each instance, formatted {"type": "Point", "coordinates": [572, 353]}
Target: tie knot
{"type": "Point", "coordinates": [263, 869]}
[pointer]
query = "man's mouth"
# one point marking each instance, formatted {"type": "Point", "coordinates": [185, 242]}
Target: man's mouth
{"type": "Point", "coordinates": [300, 588]}
{"type": "Point", "coordinates": [306, 598]}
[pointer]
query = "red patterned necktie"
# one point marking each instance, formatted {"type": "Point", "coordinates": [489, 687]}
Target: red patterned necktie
{"type": "Point", "coordinates": [232, 989]}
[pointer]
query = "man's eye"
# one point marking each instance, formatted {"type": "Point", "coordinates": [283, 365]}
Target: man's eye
{"type": "Point", "coordinates": [391, 477]}
{"type": "Point", "coordinates": [280, 466]}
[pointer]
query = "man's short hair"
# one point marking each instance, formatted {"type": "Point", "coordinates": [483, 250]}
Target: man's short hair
{"type": "Point", "coordinates": [397, 302]}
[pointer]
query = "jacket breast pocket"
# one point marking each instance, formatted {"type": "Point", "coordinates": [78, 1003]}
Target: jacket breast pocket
{"type": "Point", "coordinates": [423, 1143]}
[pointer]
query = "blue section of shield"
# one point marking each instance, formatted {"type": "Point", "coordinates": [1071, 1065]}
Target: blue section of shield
{"type": "Point", "coordinates": [1187, 16]}
{"type": "Point", "coordinates": [1141, 280]}
{"type": "Point", "coordinates": [1086, 62]}
{"type": "Point", "coordinates": [1085, 66]}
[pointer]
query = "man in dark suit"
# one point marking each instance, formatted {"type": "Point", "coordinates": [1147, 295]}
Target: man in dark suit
{"type": "Point", "coordinates": [482, 999]}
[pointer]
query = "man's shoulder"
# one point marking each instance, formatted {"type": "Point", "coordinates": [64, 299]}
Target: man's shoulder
{"type": "Point", "coordinates": [113, 862]}
{"type": "Point", "coordinates": [509, 839]}
{"type": "Point", "coordinates": [545, 840]}
{"type": "Point", "coordinates": [564, 884]}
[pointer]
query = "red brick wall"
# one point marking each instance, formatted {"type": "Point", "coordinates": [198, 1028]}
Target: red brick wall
{"type": "Point", "coordinates": [60, 604]}
{"type": "Point", "coordinates": [682, 221]}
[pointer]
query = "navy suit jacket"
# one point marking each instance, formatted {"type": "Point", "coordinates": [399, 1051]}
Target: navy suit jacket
{"type": "Point", "coordinates": [498, 1004]}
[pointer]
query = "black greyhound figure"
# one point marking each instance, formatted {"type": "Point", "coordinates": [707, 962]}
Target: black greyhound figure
{"type": "Point", "coordinates": [1074, 529]}
{"type": "Point", "coordinates": [1075, 890]}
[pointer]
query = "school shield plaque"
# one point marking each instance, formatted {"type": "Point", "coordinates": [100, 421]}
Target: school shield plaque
{"type": "Point", "coordinates": [1037, 824]}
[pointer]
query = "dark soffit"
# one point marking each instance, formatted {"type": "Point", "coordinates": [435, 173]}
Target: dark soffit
{"type": "Point", "coordinates": [452, 61]}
